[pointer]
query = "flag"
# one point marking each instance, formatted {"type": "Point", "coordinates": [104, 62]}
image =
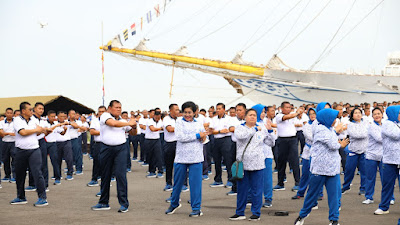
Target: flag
{"type": "Point", "coordinates": [109, 45]}
{"type": "Point", "coordinates": [126, 34]}
{"type": "Point", "coordinates": [157, 9]}
{"type": "Point", "coordinates": [133, 29]}
{"type": "Point", "coordinates": [148, 17]}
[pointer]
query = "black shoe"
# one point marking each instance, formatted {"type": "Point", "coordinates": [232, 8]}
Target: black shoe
{"type": "Point", "coordinates": [296, 197]}
{"type": "Point", "coordinates": [334, 222]}
{"type": "Point", "coordinates": [299, 221]}
{"type": "Point", "coordinates": [237, 217]}
{"type": "Point", "coordinates": [254, 218]}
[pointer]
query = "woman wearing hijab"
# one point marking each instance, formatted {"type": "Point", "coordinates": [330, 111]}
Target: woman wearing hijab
{"type": "Point", "coordinates": [189, 156]}
{"type": "Point", "coordinates": [305, 172]}
{"type": "Point", "coordinates": [255, 136]}
{"type": "Point", "coordinates": [373, 155]}
{"type": "Point", "coordinates": [325, 166]}
{"type": "Point", "coordinates": [390, 157]}
{"type": "Point", "coordinates": [358, 133]}
{"type": "Point", "coordinates": [268, 183]}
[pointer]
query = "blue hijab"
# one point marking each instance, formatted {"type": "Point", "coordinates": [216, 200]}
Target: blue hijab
{"type": "Point", "coordinates": [322, 105]}
{"type": "Point", "coordinates": [393, 113]}
{"type": "Point", "coordinates": [308, 114]}
{"type": "Point", "coordinates": [326, 117]}
{"type": "Point", "coordinates": [259, 108]}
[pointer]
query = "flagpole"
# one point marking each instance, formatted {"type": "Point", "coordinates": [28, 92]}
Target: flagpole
{"type": "Point", "coordinates": [172, 80]}
{"type": "Point", "coordinates": [102, 58]}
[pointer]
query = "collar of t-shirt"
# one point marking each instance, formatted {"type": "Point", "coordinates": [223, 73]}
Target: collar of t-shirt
{"type": "Point", "coordinates": [6, 121]}
{"type": "Point", "coordinates": [194, 120]}
{"type": "Point", "coordinates": [27, 121]}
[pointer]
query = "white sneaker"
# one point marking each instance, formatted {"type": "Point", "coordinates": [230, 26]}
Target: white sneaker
{"type": "Point", "coordinates": [299, 221]}
{"type": "Point", "coordinates": [392, 202]}
{"type": "Point", "coordinates": [381, 212]}
{"type": "Point", "coordinates": [315, 207]}
{"type": "Point", "coordinates": [368, 201]}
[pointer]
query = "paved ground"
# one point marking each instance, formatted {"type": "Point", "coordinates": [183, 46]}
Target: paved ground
{"type": "Point", "coordinates": [70, 203]}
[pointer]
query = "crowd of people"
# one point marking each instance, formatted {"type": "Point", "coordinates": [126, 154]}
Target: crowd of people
{"type": "Point", "coordinates": [324, 140]}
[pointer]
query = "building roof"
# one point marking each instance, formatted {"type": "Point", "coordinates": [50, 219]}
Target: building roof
{"type": "Point", "coordinates": [52, 102]}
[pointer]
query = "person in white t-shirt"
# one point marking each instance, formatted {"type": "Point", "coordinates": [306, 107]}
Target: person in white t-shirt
{"type": "Point", "coordinates": [28, 153]}
{"type": "Point", "coordinates": [153, 145]}
{"type": "Point", "coordinates": [113, 156]}
{"type": "Point", "coordinates": [125, 118]}
{"type": "Point", "coordinates": [287, 145]}
{"type": "Point", "coordinates": [73, 131]}
{"type": "Point", "coordinates": [299, 122]}
{"type": "Point", "coordinates": [142, 124]}
{"type": "Point", "coordinates": [8, 146]}
{"type": "Point", "coordinates": [238, 119]}
{"type": "Point", "coordinates": [95, 133]}
{"type": "Point", "coordinates": [170, 144]}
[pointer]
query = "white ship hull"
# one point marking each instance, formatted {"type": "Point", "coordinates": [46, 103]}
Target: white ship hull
{"type": "Point", "coordinates": [313, 87]}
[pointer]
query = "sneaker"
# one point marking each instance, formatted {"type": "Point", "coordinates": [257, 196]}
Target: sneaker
{"type": "Point", "coordinates": [205, 177]}
{"type": "Point", "coordinates": [189, 202]}
{"type": "Point", "coordinates": [361, 192]}
{"type": "Point", "coordinates": [296, 197]}
{"type": "Point", "coordinates": [358, 172]}
{"type": "Point", "coordinates": [12, 180]}
{"type": "Point", "coordinates": [279, 188]}
{"type": "Point", "coordinates": [5, 179]}
{"type": "Point", "coordinates": [332, 222]}
{"type": "Point", "coordinates": [168, 187]}
{"type": "Point", "coordinates": [140, 161]}
{"type": "Point", "coordinates": [93, 183]}
{"type": "Point", "coordinates": [248, 204]}
{"type": "Point", "coordinates": [290, 171]}
{"type": "Point", "coordinates": [295, 188]}
{"type": "Point", "coordinates": [98, 194]}
{"type": "Point", "coordinates": [128, 170]}
{"type": "Point", "coordinates": [196, 213]}
{"type": "Point", "coordinates": [30, 188]}
{"type": "Point", "coordinates": [228, 184]}
{"type": "Point", "coordinates": [299, 221]}
{"type": "Point", "coordinates": [392, 202]}
{"type": "Point", "coordinates": [185, 188]}
{"type": "Point", "coordinates": [315, 207]}
{"type": "Point", "coordinates": [267, 205]}
{"type": "Point", "coordinates": [112, 179]}
{"type": "Point", "coordinates": [381, 212]}
{"type": "Point", "coordinates": [171, 210]}
{"type": "Point", "coordinates": [237, 217]}
{"type": "Point", "coordinates": [18, 201]}
{"type": "Point", "coordinates": [345, 191]}
{"type": "Point", "coordinates": [209, 172]}
{"type": "Point", "coordinates": [285, 180]}
{"type": "Point", "coordinates": [320, 198]}
{"type": "Point", "coordinates": [47, 189]}
{"type": "Point", "coordinates": [254, 218]}
{"type": "Point", "coordinates": [0, 186]}
{"type": "Point", "coordinates": [57, 182]}
{"type": "Point", "coordinates": [99, 207]}
{"type": "Point", "coordinates": [134, 159]}
{"type": "Point", "coordinates": [168, 200]}
{"type": "Point", "coordinates": [217, 184]}
{"type": "Point", "coordinates": [41, 202]}
{"type": "Point", "coordinates": [275, 171]}
{"type": "Point", "coordinates": [53, 178]}
{"type": "Point", "coordinates": [368, 201]}
{"type": "Point", "coordinates": [145, 164]}
{"type": "Point", "coordinates": [79, 173]}
{"type": "Point", "coordinates": [160, 175]}
{"type": "Point", "coordinates": [123, 209]}
{"type": "Point", "coordinates": [231, 193]}
{"type": "Point", "coordinates": [69, 177]}
{"type": "Point", "coordinates": [224, 169]}
{"type": "Point", "coordinates": [151, 175]}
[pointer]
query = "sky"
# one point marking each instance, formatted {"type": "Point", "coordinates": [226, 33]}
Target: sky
{"type": "Point", "coordinates": [64, 57]}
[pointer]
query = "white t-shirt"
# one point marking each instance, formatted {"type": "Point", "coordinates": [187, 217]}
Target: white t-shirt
{"type": "Point", "coordinates": [7, 128]}
{"type": "Point", "coordinates": [285, 128]}
{"type": "Point", "coordinates": [62, 138]}
{"type": "Point", "coordinates": [127, 129]}
{"type": "Point", "coordinates": [143, 121]}
{"type": "Point", "coordinates": [234, 122]}
{"type": "Point", "coordinates": [72, 132]}
{"type": "Point", "coordinates": [111, 135]}
{"type": "Point", "coordinates": [39, 122]}
{"type": "Point", "coordinates": [52, 137]}
{"type": "Point", "coordinates": [95, 124]}
{"type": "Point", "coordinates": [345, 121]}
{"type": "Point", "coordinates": [150, 134]}
{"type": "Point", "coordinates": [25, 142]}
{"type": "Point", "coordinates": [302, 120]}
{"type": "Point", "coordinates": [169, 136]}
{"type": "Point", "coordinates": [220, 124]}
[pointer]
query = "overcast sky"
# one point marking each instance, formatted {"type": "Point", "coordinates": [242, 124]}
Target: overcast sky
{"type": "Point", "coordinates": [64, 57]}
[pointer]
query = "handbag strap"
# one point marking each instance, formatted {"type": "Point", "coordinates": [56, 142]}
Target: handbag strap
{"type": "Point", "coordinates": [246, 147]}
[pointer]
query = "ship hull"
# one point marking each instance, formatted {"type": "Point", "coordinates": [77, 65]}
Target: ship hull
{"type": "Point", "coordinates": [300, 87]}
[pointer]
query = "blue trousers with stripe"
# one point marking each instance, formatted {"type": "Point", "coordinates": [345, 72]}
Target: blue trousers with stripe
{"type": "Point", "coordinates": [251, 180]}
{"type": "Point", "coordinates": [351, 164]}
